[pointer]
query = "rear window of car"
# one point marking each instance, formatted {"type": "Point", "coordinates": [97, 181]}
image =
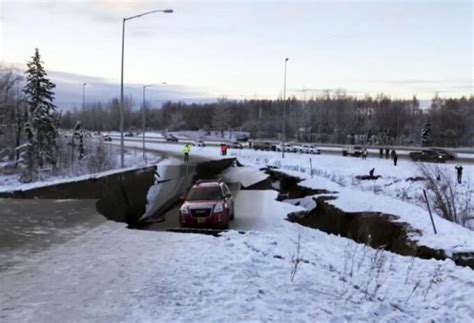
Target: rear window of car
{"type": "Point", "coordinates": [203, 193]}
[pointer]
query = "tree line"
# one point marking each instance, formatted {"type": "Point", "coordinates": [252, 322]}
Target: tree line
{"type": "Point", "coordinates": [30, 142]}
{"type": "Point", "coordinates": [29, 120]}
{"type": "Point", "coordinates": [333, 117]}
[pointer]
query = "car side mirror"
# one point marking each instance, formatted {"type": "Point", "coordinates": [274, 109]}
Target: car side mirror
{"type": "Point", "coordinates": [182, 198]}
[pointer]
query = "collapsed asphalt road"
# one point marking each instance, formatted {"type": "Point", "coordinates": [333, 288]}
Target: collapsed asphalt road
{"type": "Point", "coordinates": [253, 211]}
{"type": "Point", "coordinates": [28, 226]}
{"type": "Point", "coordinates": [35, 220]}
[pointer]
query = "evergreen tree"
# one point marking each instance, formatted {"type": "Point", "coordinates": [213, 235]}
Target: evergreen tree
{"type": "Point", "coordinates": [426, 135]}
{"type": "Point", "coordinates": [79, 134]}
{"type": "Point", "coordinates": [221, 118]}
{"type": "Point", "coordinates": [28, 153]}
{"type": "Point", "coordinates": [40, 97]}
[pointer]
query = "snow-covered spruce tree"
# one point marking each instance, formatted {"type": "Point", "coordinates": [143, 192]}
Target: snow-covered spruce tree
{"type": "Point", "coordinates": [28, 156]}
{"type": "Point", "coordinates": [79, 134]}
{"type": "Point", "coordinates": [426, 139]}
{"type": "Point", "coordinates": [40, 97]}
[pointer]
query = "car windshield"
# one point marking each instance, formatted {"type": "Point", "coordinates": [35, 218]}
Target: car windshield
{"type": "Point", "coordinates": [203, 193]}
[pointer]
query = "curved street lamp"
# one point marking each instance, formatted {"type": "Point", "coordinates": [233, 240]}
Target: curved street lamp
{"type": "Point", "coordinates": [83, 95]}
{"type": "Point", "coordinates": [143, 117]}
{"type": "Point", "coordinates": [284, 114]}
{"type": "Point", "coordinates": [122, 149]}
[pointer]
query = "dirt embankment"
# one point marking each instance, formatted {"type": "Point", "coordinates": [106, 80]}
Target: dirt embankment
{"type": "Point", "coordinates": [121, 196]}
{"type": "Point", "coordinates": [375, 229]}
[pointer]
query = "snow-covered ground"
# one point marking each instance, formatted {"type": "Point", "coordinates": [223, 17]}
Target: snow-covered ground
{"type": "Point", "coordinates": [275, 271]}
{"type": "Point", "coordinates": [132, 159]}
{"type": "Point", "coordinates": [114, 274]}
{"type": "Point", "coordinates": [391, 194]}
{"type": "Point", "coordinates": [190, 135]}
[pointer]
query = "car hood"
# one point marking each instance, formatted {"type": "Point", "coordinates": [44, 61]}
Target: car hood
{"type": "Point", "coordinates": [200, 204]}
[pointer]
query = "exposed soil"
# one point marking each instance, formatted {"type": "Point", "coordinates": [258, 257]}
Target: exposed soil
{"type": "Point", "coordinates": [375, 229]}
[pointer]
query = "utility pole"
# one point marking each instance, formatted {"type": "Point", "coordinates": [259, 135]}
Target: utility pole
{"type": "Point", "coordinates": [143, 123]}
{"type": "Point", "coordinates": [83, 95]}
{"type": "Point", "coordinates": [284, 115]}
{"type": "Point", "coordinates": [144, 118]}
{"type": "Point", "coordinates": [122, 148]}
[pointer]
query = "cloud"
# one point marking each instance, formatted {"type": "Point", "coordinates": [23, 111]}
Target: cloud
{"type": "Point", "coordinates": [69, 91]}
{"type": "Point", "coordinates": [141, 33]}
{"type": "Point", "coordinates": [422, 82]}
{"type": "Point", "coordinates": [312, 91]}
{"type": "Point", "coordinates": [65, 77]}
{"type": "Point", "coordinates": [118, 7]}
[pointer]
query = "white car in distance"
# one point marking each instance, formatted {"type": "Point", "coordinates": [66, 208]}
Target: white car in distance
{"type": "Point", "coordinates": [309, 149]}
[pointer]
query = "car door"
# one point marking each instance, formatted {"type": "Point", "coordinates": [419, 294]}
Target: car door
{"type": "Point", "coordinates": [228, 197]}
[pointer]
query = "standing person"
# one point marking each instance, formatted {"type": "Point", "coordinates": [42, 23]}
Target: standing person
{"type": "Point", "coordinates": [222, 149]}
{"type": "Point", "coordinates": [186, 151]}
{"type": "Point", "coordinates": [387, 153]}
{"type": "Point", "coordinates": [225, 149]}
{"type": "Point", "coordinates": [394, 157]}
{"type": "Point", "coordinates": [364, 153]}
{"type": "Point", "coordinates": [371, 172]}
{"type": "Point", "coordinates": [459, 173]}
{"type": "Point", "coordinates": [381, 152]}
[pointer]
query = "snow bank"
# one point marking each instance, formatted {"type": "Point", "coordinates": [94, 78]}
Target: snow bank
{"type": "Point", "coordinates": [114, 274]}
{"type": "Point", "coordinates": [9, 183]}
{"type": "Point", "coordinates": [247, 176]}
{"type": "Point", "coordinates": [451, 237]}
{"type": "Point", "coordinates": [392, 194]}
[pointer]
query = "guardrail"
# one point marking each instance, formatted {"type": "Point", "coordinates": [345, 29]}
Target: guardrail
{"type": "Point", "coordinates": [464, 150]}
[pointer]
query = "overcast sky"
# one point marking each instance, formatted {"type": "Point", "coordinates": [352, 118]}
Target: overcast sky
{"type": "Point", "coordinates": [237, 48]}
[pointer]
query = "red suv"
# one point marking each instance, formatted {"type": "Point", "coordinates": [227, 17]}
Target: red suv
{"type": "Point", "coordinates": [207, 204]}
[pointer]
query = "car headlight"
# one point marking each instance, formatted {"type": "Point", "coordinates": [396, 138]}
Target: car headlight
{"type": "Point", "coordinates": [218, 208]}
{"type": "Point", "coordinates": [184, 210]}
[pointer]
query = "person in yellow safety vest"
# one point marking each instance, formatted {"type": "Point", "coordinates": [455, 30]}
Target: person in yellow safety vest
{"type": "Point", "coordinates": [186, 151]}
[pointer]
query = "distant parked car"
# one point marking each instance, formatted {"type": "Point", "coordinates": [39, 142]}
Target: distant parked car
{"type": "Point", "coordinates": [107, 138]}
{"type": "Point", "coordinates": [309, 149]}
{"type": "Point", "coordinates": [171, 138]}
{"type": "Point", "coordinates": [262, 145]}
{"type": "Point", "coordinates": [242, 138]}
{"type": "Point", "coordinates": [235, 145]}
{"type": "Point", "coordinates": [449, 155]}
{"type": "Point", "coordinates": [428, 155]}
{"type": "Point", "coordinates": [208, 204]}
{"type": "Point", "coordinates": [128, 134]}
{"type": "Point", "coordinates": [289, 148]}
{"type": "Point", "coordinates": [199, 143]}
{"type": "Point", "coordinates": [354, 151]}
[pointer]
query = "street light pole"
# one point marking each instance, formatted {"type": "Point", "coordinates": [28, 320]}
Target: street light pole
{"type": "Point", "coordinates": [122, 149]}
{"type": "Point", "coordinates": [143, 122]}
{"type": "Point", "coordinates": [122, 108]}
{"type": "Point", "coordinates": [284, 115]}
{"type": "Point", "coordinates": [83, 95]}
{"type": "Point", "coordinates": [144, 118]}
